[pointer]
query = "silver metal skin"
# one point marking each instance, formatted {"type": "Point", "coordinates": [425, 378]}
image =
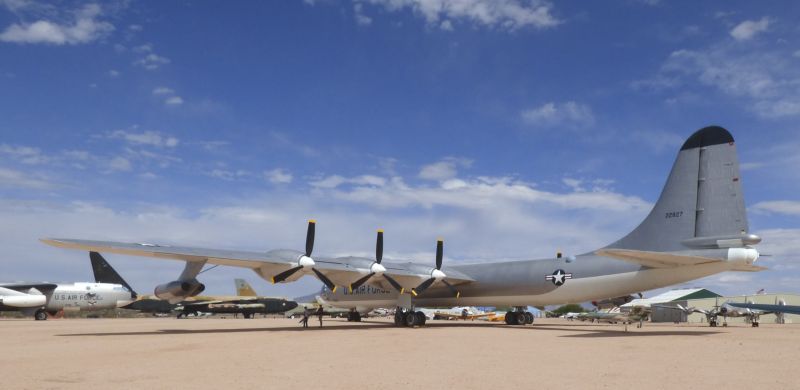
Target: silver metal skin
{"type": "Point", "coordinates": [697, 228]}
{"type": "Point", "coordinates": [64, 296]}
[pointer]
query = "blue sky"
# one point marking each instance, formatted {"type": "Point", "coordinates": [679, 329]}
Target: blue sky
{"type": "Point", "coordinates": [512, 128]}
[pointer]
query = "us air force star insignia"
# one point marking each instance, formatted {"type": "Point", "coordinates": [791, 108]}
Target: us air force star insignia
{"type": "Point", "coordinates": [559, 277]}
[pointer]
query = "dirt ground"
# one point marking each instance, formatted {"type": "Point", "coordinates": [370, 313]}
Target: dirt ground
{"type": "Point", "coordinates": [162, 353]}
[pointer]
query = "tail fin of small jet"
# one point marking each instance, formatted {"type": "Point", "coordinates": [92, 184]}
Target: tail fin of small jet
{"type": "Point", "coordinates": [243, 288]}
{"type": "Point", "coordinates": [105, 273]}
{"type": "Point", "coordinates": [701, 205]}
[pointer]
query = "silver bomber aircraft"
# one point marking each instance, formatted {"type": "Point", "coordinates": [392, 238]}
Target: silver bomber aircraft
{"type": "Point", "coordinates": [698, 227]}
{"type": "Point", "coordinates": [41, 299]}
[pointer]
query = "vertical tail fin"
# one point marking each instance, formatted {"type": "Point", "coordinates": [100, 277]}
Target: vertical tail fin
{"type": "Point", "coordinates": [243, 288]}
{"type": "Point", "coordinates": [105, 273]}
{"type": "Point", "coordinates": [701, 205]}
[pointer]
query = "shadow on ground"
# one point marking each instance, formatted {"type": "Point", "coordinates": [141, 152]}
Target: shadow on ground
{"type": "Point", "coordinates": [611, 331]}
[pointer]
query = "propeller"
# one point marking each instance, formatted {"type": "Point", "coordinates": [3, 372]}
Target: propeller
{"type": "Point", "coordinates": [376, 268]}
{"type": "Point", "coordinates": [436, 274]}
{"type": "Point", "coordinates": [305, 261]}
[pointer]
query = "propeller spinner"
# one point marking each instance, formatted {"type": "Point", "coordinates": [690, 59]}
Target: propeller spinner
{"type": "Point", "coordinates": [376, 269]}
{"type": "Point", "coordinates": [305, 261]}
{"type": "Point", "coordinates": [436, 274]}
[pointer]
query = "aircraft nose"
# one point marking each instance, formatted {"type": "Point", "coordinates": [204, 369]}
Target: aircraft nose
{"type": "Point", "coordinates": [290, 305]}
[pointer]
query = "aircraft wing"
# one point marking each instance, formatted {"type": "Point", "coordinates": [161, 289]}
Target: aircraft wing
{"type": "Point", "coordinates": [656, 259]}
{"type": "Point", "coordinates": [342, 270]}
{"type": "Point", "coordinates": [21, 287]}
{"type": "Point", "coordinates": [749, 268]}
{"type": "Point", "coordinates": [767, 308]}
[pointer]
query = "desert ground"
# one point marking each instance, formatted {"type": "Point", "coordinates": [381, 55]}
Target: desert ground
{"type": "Point", "coordinates": [162, 353]}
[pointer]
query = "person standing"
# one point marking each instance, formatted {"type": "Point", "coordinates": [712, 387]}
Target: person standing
{"type": "Point", "coordinates": [304, 320]}
{"type": "Point", "coordinates": [320, 312]}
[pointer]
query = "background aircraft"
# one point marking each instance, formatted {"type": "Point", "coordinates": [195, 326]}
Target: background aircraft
{"type": "Point", "coordinates": [779, 308]}
{"type": "Point", "coordinates": [41, 299]}
{"type": "Point", "coordinates": [248, 305]}
{"type": "Point", "coordinates": [698, 227]}
{"type": "Point", "coordinates": [733, 310]}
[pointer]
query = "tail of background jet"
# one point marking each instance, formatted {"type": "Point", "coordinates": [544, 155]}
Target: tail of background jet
{"type": "Point", "coordinates": [243, 288]}
{"type": "Point", "coordinates": [105, 273]}
{"type": "Point", "coordinates": [701, 206]}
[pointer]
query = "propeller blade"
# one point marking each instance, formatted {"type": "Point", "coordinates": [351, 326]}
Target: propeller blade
{"type": "Point", "coordinates": [310, 237]}
{"type": "Point", "coordinates": [423, 286]}
{"type": "Point", "coordinates": [325, 280]}
{"type": "Point", "coordinates": [379, 247]}
{"type": "Point", "coordinates": [453, 289]}
{"type": "Point", "coordinates": [285, 274]}
{"type": "Point", "coordinates": [439, 253]}
{"type": "Point", "coordinates": [394, 283]}
{"type": "Point", "coordinates": [361, 281]}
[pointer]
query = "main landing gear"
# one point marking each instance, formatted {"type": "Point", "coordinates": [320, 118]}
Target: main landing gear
{"type": "Point", "coordinates": [409, 318]}
{"type": "Point", "coordinates": [40, 315]}
{"type": "Point", "coordinates": [353, 316]}
{"type": "Point", "coordinates": [519, 317]}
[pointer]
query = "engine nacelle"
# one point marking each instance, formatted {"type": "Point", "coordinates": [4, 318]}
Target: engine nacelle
{"type": "Point", "coordinates": [178, 290]}
{"type": "Point", "coordinates": [742, 255]}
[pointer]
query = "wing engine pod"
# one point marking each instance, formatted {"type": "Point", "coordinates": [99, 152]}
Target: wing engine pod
{"type": "Point", "coordinates": [178, 290]}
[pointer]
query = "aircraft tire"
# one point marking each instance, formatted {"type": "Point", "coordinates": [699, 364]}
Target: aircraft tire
{"type": "Point", "coordinates": [40, 315]}
{"type": "Point", "coordinates": [528, 317]}
{"type": "Point", "coordinates": [519, 318]}
{"type": "Point", "coordinates": [420, 318]}
{"type": "Point", "coordinates": [399, 319]}
{"type": "Point", "coordinates": [511, 318]}
{"type": "Point", "coordinates": [357, 317]}
{"type": "Point", "coordinates": [410, 319]}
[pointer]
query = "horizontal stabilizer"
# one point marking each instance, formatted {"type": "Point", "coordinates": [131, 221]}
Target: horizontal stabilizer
{"type": "Point", "coordinates": [656, 259]}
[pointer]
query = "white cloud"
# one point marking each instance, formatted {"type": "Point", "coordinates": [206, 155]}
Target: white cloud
{"type": "Point", "coordinates": [150, 138]}
{"type": "Point", "coordinates": [24, 154]}
{"type": "Point", "coordinates": [10, 178]}
{"type": "Point", "coordinates": [113, 73]}
{"type": "Point", "coordinates": [568, 114]}
{"type": "Point", "coordinates": [787, 207]}
{"type": "Point", "coordinates": [120, 164]}
{"type": "Point", "coordinates": [361, 19]}
{"type": "Point", "coordinates": [173, 101]}
{"type": "Point", "coordinates": [85, 28]}
{"type": "Point", "coordinates": [502, 14]}
{"type": "Point", "coordinates": [225, 174]}
{"type": "Point", "coordinates": [445, 169]}
{"type": "Point", "coordinates": [152, 61]}
{"type": "Point", "coordinates": [766, 79]}
{"type": "Point", "coordinates": [334, 181]}
{"type": "Point", "coordinates": [278, 176]}
{"type": "Point", "coordinates": [796, 54]}
{"type": "Point", "coordinates": [749, 28]}
{"type": "Point", "coordinates": [163, 91]}
{"type": "Point", "coordinates": [145, 48]}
